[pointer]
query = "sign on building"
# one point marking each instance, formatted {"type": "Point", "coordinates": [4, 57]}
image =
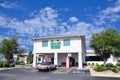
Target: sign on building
{"type": "Point", "coordinates": [55, 45]}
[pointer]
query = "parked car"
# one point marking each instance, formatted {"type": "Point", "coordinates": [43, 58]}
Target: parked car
{"type": "Point", "coordinates": [46, 66]}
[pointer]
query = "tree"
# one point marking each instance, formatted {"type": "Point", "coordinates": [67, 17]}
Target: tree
{"type": "Point", "coordinates": [8, 47]}
{"type": "Point", "coordinates": [106, 43]}
{"type": "Point", "coordinates": [30, 57]}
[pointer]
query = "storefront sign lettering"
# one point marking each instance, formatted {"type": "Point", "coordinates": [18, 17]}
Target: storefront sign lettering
{"type": "Point", "coordinates": [55, 45]}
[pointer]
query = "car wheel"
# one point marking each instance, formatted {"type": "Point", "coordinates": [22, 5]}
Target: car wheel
{"type": "Point", "coordinates": [39, 69]}
{"type": "Point", "coordinates": [54, 68]}
{"type": "Point", "coordinates": [48, 69]}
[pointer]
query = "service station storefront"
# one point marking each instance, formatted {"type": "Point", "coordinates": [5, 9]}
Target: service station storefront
{"type": "Point", "coordinates": [62, 52]}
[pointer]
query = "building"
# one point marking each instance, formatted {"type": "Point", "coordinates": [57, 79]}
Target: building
{"type": "Point", "coordinates": [22, 57]}
{"type": "Point", "coordinates": [91, 57]}
{"type": "Point", "coordinates": [60, 50]}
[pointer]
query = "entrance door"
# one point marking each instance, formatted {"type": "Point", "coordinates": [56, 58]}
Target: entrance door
{"type": "Point", "coordinates": [72, 61]}
{"type": "Point", "coordinates": [52, 60]}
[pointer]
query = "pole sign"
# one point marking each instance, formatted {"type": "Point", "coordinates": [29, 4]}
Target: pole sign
{"type": "Point", "coordinates": [55, 45]}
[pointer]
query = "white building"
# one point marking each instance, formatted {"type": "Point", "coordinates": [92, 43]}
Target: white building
{"type": "Point", "coordinates": [91, 57]}
{"type": "Point", "coordinates": [58, 49]}
{"type": "Point", "coordinates": [22, 57]}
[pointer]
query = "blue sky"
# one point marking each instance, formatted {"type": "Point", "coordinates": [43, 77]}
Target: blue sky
{"type": "Point", "coordinates": [38, 18]}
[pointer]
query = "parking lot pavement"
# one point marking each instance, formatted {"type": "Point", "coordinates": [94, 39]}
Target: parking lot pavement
{"type": "Point", "coordinates": [33, 74]}
{"type": "Point", "coordinates": [62, 71]}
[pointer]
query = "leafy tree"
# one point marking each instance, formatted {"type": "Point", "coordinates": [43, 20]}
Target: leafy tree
{"type": "Point", "coordinates": [30, 57]}
{"type": "Point", "coordinates": [106, 43]}
{"type": "Point", "coordinates": [8, 47]}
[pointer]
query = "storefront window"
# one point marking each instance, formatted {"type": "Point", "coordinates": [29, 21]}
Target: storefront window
{"type": "Point", "coordinates": [66, 42]}
{"type": "Point", "coordinates": [39, 59]}
{"type": "Point", "coordinates": [93, 58]}
{"type": "Point", "coordinates": [45, 43]}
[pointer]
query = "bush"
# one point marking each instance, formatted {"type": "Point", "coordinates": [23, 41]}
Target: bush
{"type": "Point", "coordinates": [115, 70]}
{"type": "Point", "coordinates": [109, 65]}
{"type": "Point", "coordinates": [99, 68]}
{"type": "Point", "coordinates": [22, 63]}
{"type": "Point", "coordinates": [1, 65]}
{"type": "Point", "coordinates": [115, 66]}
{"type": "Point", "coordinates": [28, 62]}
{"type": "Point", "coordinates": [89, 64]}
{"type": "Point", "coordinates": [108, 68]}
{"type": "Point", "coordinates": [5, 64]}
{"type": "Point", "coordinates": [12, 65]}
{"type": "Point", "coordinates": [102, 64]}
{"type": "Point", "coordinates": [118, 64]}
{"type": "Point", "coordinates": [97, 64]}
{"type": "Point", "coordinates": [19, 63]}
{"type": "Point", "coordinates": [92, 64]}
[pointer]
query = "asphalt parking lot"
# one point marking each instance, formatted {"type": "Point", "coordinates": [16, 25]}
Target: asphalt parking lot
{"type": "Point", "coordinates": [33, 74]}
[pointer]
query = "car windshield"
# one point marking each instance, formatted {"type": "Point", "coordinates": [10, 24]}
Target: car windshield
{"type": "Point", "coordinates": [46, 63]}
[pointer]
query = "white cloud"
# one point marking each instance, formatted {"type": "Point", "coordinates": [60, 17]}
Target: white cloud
{"type": "Point", "coordinates": [73, 19]}
{"type": "Point", "coordinates": [8, 5]}
{"type": "Point", "coordinates": [3, 37]}
{"type": "Point", "coordinates": [45, 18]}
{"type": "Point", "coordinates": [46, 23]}
{"type": "Point", "coordinates": [83, 28]}
{"type": "Point", "coordinates": [26, 41]}
{"type": "Point", "coordinates": [111, 14]}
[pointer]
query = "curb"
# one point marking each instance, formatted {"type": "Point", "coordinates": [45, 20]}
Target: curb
{"type": "Point", "coordinates": [7, 68]}
{"type": "Point", "coordinates": [104, 74]}
{"type": "Point", "coordinates": [14, 68]}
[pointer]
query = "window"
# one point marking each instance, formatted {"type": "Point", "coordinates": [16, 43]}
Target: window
{"type": "Point", "coordinates": [39, 59]}
{"type": "Point", "coordinates": [45, 43]}
{"type": "Point", "coordinates": [46, 63]}
{"type": "Point", "coordinates": [93, 58]}
{"type": "Point", "coordinates": [57, 40]}
{"type": "Point", "coordinates": [66, 42]}
{"type": "Point", "coordinates": [52, 40]}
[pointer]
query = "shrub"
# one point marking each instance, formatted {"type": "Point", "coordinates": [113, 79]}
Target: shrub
{"type": "Point", "coordinates": [89, 64]}
{"type": "Point", "coordinates": [5, 64]}
{"type": "Point", "coordinates": [114, 66]}
{"type": "Point", "coordinates": [92, 64]}
{"type": "Point", "coordinates": [99, 68]}
{"type": "Point", "coordinates": [12, 65]}
{"type": "Point", "coordinates": [102, 64]}
{"type": "Point", "coordinates": [1, 65]}
{"type": "Point", "coordinates": [108, 68]}
{"type": "Point", "coordinates": [19, 63]}
{"type": "Point", "coordinates": [118, 64]}
{"type": "Point", "coordinates": [97, 64]}
{"type": "Point", "coordinates": [28, 62]}
{"type": "Point", "coordinates": [95, 68]}
{"type": "Point", "coordinates": [109, 65]}
{"type": "Point", "coordinates": [115, 70]}
{"type": "Point", "coordinates": [22, 63]}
